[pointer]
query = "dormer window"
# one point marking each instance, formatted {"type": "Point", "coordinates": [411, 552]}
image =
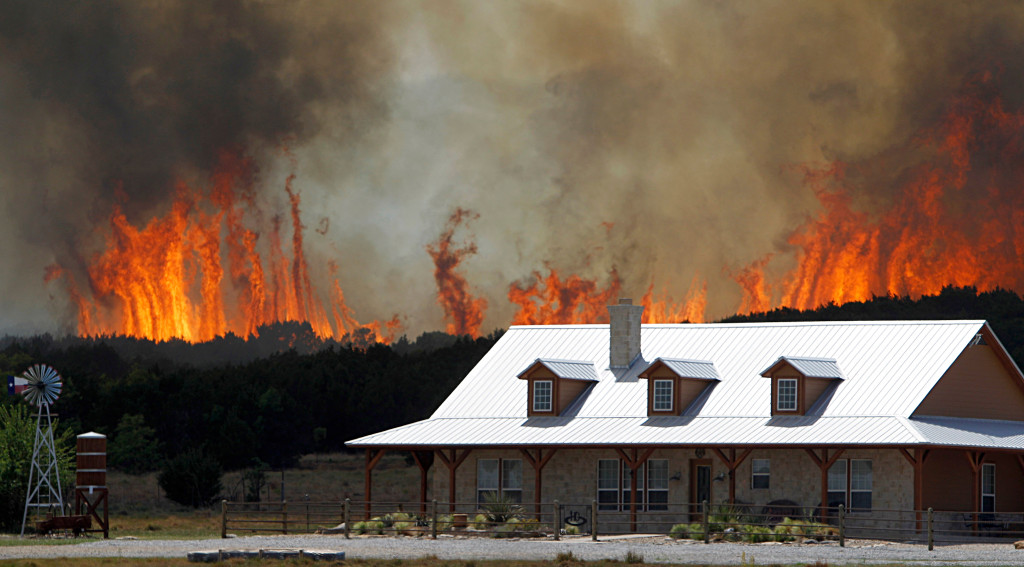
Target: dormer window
{"type": "Point", "coordinates": [674, 386]}
{"type": "Point", "coordinates": [663, 390]}
{"type": "Point", "coordinates": [542, 395]}
{"type": "Point", "coordinates": [798, 384]}
{"type": "Point", "coordinates": [553, 385]}
{"type": "Point", "coordinates": [787, 394]}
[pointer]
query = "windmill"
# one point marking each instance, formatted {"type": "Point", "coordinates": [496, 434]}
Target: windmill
{"type": "Point", "coordinates": [41, 386]}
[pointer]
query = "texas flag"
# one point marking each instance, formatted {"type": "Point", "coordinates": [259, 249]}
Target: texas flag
{"type": "Point", "coordinates": [16, 385]}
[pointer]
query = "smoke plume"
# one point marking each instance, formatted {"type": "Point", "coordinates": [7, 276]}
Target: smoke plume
{"type": "Point", "coordinates": [639, 145]}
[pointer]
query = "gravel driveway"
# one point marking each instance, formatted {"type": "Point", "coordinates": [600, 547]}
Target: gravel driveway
{"type": "Point", "coordinates": [653, 550]}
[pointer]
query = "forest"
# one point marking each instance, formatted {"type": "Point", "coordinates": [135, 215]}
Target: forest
{"type": "Point", "coordinates": [243, 406]}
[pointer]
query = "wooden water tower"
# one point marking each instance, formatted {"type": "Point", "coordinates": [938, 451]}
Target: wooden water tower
{"type": "Point", "coordinates": [91, 479]}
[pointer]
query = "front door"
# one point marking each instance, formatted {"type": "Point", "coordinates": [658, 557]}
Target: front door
{"type": "Point", "coordinates": [700, 486]}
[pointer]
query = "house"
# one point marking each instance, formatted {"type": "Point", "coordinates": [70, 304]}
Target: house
{"type": "Point", "coordinates": [874, 415]}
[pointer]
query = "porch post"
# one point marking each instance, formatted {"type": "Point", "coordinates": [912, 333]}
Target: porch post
{"type": "Point", "coordinates": [975, 458]}
{"type": "Point", "coordinates": [824, 463]}
{"type": "Point", "coordinates": [634, 463]}
{"type": "Point", "coordinates": [731, 463]}
{"type": "Point", "coordinates": [452, 461]}
{"type": "Point", "coordinates": [371, 461]}
{"type": "Point", "coordinates": [537, 463]}
{"type": "Point", "coordinates": [424, 461]}
{"type": "Point", "coordinates": [917, 461]}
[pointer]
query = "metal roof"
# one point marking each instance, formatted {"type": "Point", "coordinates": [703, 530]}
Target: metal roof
{"type": "Point", "coordinates": [888, 369]}
{"type": "Point", "coordinates": [698, 369]}
{"type": "Point", "coordinates": [566, 369]}
{"type": "Point", "coordinates": [810, 367]}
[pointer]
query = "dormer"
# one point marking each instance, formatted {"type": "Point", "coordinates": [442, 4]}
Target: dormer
{"type": "Point", "coordinates": [554, 384]}
{"type": "Point", "coordinates": [798, 382]}
{"type": "Point", "coordinates": [673, 385]}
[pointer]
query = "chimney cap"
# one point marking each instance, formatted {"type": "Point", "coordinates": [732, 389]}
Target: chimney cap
{"type": "Point", "coordinates": [625, 301]}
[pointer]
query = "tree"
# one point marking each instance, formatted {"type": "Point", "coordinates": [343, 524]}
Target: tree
{"type": "Point", "coordinates": [17, 435]}
{"type": "Point", "coordinates": [192, 478]}
{"type": "Point", "coordinates": [134, 448]}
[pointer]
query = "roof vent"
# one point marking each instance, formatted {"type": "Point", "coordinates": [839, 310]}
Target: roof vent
{"type": "Point", "coordinates": [624, 321]}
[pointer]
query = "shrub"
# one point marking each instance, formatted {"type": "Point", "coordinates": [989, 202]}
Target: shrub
{"type": "Point", "coordinates": [374, 527]}
{"type": "Point", "coordinates": [571, 530]}
{"type": "Point", "coordinates": [135, 449]}
{"type": "Point", "coordinates": [500, 508]}
{"type": "Point", "coordinates": [633, 557]}
{"type": "Point", "coordinates": [480, 522]}
{"type": "Point", "coordinates": [679, 531]}
{"type": "Point", "coordinates": [758, 534]}
{"type": "Point", "coordinates": [192, 478]}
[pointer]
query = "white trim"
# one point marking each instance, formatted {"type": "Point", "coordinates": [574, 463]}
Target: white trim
{"type": "Point", "coordinates": [796, 394]}
{"type": "Point", "coordinates": [671, 394]}
{"type": "Point", "coordinates": [550, 396]}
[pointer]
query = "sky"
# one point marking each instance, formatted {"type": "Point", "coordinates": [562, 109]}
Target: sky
{"type": "Point", "coordinates": [656, 142]}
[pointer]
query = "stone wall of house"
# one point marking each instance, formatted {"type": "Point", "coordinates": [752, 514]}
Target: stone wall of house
{"type": "Point", "coordinates": [571, 477]}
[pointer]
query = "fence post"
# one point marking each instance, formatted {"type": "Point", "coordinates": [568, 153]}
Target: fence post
{"type": "Point", "coordinates": [555, 521]}
{"type": "Point", "coordinates": [433, 515]}
{"type": "Point", "coordinates": [346, 516]}
{"type": "Point", "coordinates": [931, 532]}
{"type": "Point", "coordinates": [223, 519]}
{"type": "Point", "coordinates": [706, 522]}
{"type": "Point", "coordinates": [284, 516]}
{"type": "Point", "coordinates": [593, 524]}
{"type": "Point", "coordinates": [842, 526]}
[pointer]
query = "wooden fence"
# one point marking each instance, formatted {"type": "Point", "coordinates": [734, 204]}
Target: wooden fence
{"type": "Point", "coordinates": [702, 522]}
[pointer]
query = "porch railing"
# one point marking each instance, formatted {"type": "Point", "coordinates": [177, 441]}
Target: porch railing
{"type": "Point", "coordinates": [556, 519]}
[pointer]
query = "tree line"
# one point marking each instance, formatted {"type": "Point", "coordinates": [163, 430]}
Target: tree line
{"type": "Point", "coordinates": [166, 407]}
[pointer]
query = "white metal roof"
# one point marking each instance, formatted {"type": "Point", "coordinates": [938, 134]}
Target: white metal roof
{"type": "Point", "coordinates": [566, 369]}
{"type": "Point", "coordinates": [888, 368]}
{"type": "Point", "coordinates": [698, 369]}
{"type": "Point", "coordinates": [811, 367]}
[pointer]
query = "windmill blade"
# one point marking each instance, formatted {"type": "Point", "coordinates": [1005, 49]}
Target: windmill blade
{"type": "Point", "coordinates": [43, 385]}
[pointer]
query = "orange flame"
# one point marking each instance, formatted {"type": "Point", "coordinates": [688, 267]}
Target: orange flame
{"type": "Point", "coordinates": [663, 310]}
{"type": "Point", "coordinates": [166, 280]}
{"type": "Point", "coordinates": [551, 301]}
{"type": "Point", "coordinates": [463, 313]}
{"type": "Point", "coordinates": [957, 220]}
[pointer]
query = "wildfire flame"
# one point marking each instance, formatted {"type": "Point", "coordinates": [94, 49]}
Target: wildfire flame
{"type": "Point", "coordinates": [166, 280]}
{"type": "Point", "coordinates": [958, 219]}
{"type": "Point", "coordinates": [550, 300]}
{"type": "Point", "coordinates": [463, 313]}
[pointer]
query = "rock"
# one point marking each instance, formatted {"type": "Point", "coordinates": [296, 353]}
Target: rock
{"type": "Point", "coordinates": [1018, 544]}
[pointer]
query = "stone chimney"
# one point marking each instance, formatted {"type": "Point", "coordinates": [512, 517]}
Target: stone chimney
{"type": "Point", "coordinates": [625, 332]}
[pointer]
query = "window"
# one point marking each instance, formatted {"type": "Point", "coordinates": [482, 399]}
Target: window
{"type": "Point", "coordinates": [988, 487]}
{"type": "Point", "coordinates": [786, 395]}
{"type": "Point", "coordinates": [663, 395]}
{"type": "Point", "coordinates": [657, 484]}
{"type": "Point", "coordinates": [542, 395]}
{"type": "Point", "coordinates": [608, 484]}
{"type": "Point", "coordinates": [850, 484]}
{"type": "Point", "coordinates": [613, 495]}
{"type": "Point", "coordinates": [760, 473]}
{"type": "Point", "coordinates": [499, 477]}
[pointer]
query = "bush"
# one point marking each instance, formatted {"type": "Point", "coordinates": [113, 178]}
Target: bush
{"type": "Point", "coordinates": [758, 534]}
{"type": "Point", "coordinates": [192, 478]}
{"type": "Point", "coordinates": [633, 557]}
{"type": "Point", "coordinates": [359, 528]}
{"type": "Point", "coordinates": [500, 508]}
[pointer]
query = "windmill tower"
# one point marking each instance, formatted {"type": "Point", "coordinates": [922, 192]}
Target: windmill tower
{"type": "Point", "coordinates": [41, 386]}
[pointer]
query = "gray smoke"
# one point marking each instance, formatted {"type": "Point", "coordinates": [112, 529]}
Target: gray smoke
{"type": "Point", "coordinates": [678, 122]}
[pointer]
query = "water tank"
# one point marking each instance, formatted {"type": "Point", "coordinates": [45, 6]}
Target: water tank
{"type": "Point", "coordinates": [92, 461]}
